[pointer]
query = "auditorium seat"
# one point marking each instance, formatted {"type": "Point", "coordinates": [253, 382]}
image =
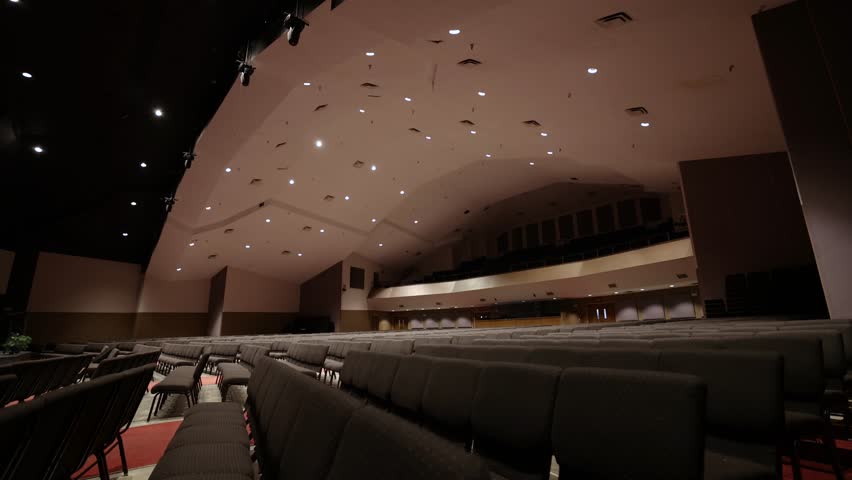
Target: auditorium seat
{"type": "Point", "coordinates": [307, 358]}
{"type": "Point", "coordinates": [238, 374]}
{"type": "Point", "coordinates": [219, 353]}
{"type": "Point", "coordinates": [595, 432]}
{"type": "Point", "coordinates": [406, 393]}
{"type": "Point", "coordinates": [182, 381]}
{"type": "Point", "coordinates": [448, 398]}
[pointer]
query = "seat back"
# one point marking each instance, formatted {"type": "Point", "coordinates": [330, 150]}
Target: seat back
{"type": "Point", "coordinates": [406, 395]}
{"type": "Point", "coordinates": [511, 417]}
{"type": "Point", "coordinates": [378, 445]}
{"type": "Point", "coordinates": [660, 415]}
{"type": "Point", "coordinates": [382, 372]}
{"type": "Point", "coordinates": [448, 398]}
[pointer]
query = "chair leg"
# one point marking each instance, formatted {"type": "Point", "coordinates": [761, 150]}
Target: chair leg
{"type": "Point", "coordinates": [150, 410]}
{"type": "Point", "coordinates": [188, 401]}
{"type": "Point", "coordinates": [103, 469]}
{"type": "Point", "coordinates": [121, 454]}
{"type": "Point", "coordinates": [831, 450]}
{"type": "Point", "coordinates": [794, 459]}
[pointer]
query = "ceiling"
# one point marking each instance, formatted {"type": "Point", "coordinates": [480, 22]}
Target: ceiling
{"type": "Point", "coordinates": [694, 66]}
{"type": "Point", "coordinates": [95, 73]}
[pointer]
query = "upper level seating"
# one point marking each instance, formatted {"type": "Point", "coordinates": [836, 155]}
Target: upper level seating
{"type": "Point", "coordinates": [306, 358]}
{"type": "Point", "coordinates": [36, 377]}
{"type": "Point", "coordinates": [177, 355]}
{"type": "Point", "coordinates": [505, 413]}
{"type": "Point", "coordinates": [54, 434]}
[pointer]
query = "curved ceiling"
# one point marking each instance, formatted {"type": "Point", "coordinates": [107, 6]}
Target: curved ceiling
{"type": "Point", "coordinates": [411, 110]}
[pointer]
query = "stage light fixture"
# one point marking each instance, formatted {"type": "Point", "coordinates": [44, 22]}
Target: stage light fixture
{"type": "Point", "coordinates": [188, 157]}
{"type": "Point", "coordinates": [246, 71]}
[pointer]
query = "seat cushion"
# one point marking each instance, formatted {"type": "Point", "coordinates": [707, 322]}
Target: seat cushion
{"type": "Point", "coordinates": [210, 433]}
{"type": "Point", "coordinates": [799, 423]}
{"type": "Point", "coordinates": [175, 382]}
{"type": "Point", "coordinates": [213, 418]}
{"type": "Point", "coordinates": [333, 365]}
{"type": "Point", "coordinates": [218, 458]}
{"type": "Point", "coordinates": [208, 408]}
{"type": "Point", "coordinates": [725, 467]}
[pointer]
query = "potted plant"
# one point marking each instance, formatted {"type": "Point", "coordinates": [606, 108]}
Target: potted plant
{"type": "Point", "coordinates": [16, 343]}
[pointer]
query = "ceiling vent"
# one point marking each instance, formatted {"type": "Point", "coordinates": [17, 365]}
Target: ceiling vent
{"type": "Point", "coordinates": [277, 145]}
{"type": "Point", "coordinates": [418, 253]}
{"type": "Point", "coordinates": [466, 212]}
{"type": "Point", "coordinates": [636, 111]}
{"type": "Point", "coordinates": [358, 164]}
{"type": "Point", "coordinates": [614, 20]}
{"type": "Point", "coordinates": [481, 299]}
{"type": "Point", "coordinates": [437, 42]}
{"type": "Point", "coordinates": [413, 130]}
{"type": "Point", "coordinates": [256, 181]}
{"type": "Point", "coordinates": [613, 285]}
{"type": "Point", "coordinates": [549, 294]}
{"type": "Point", "coordinates": [285, 252]}
{"type": "Point", "coordinates": [401, 306]}
{"type": "Point", "coordinates": [211, 257]}
{"type": "Point", "coordinates": [437, 303]}
{"type": "Point", "coordinates": [320, 107]}
{"type": "Point", "coordinates": [307, 228]}
{"type": "Point", "coordinates": [531, 123]}
{"type": "Point", "coordinates": [470, 61]}
{"type": "Point", "coordinates": [369, 85]}
{"type": "Point", "coordinates": [466, 122]}
{"type": "Point", "coordinates": [682, 276]}
{"type": "Point", "coordinates": [329, 198]}
{"type": "Point", "coordinates": [229, 230]}
{"type": "Point", "coordinates": [374, 96]}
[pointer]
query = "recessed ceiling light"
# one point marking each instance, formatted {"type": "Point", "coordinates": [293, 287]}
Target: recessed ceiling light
{"type": "Point", "coordinates": [589, 295]}
{"type": "Point", "coordinates": [268, 220]}
{"type": "Point", "coordinates": [158, 112]}
{"type": "Point", "coordinates": [645, 124]}
{"type": "Point", "coordinates": [641, 289]}
{"type": "Point", "coordinates": [381, 244]}
{"type": "Point", "coordinates": [428, 137]}
{"type": "Point", "coordinates": [227, 169]}
{"type": "Point", "coordinates": [417, 221]}
{"type": "Point", "coordinates": [407, 99]}
{"type": "Point", "coordinates": [361, 110]}
{"type": "Point", "coordinates": [124, 234]}
{"type": "Point", "coordinates": [402, 192]}
{"type": "Point", "coordinates": [191, 244]}
{"type": "Point", "coordinates": [543, 134]}
{"type": "Point", "coordinates": [481, 94]}
{"type": "Point", "coordinates": [373, 168]}
{"type": "Point", "coordinates": [373, 220]}
{"type": "Point", "coordinates": [455, 31]}
{"type": "Point", "coordinates": [143, 164]}
{"type": "Point", "coordinates": [307, 84]}
{"type": "Point", "coordinates": [248, 246]}
{"type": "Point", "coordinates": [532, 163]}
{"type": "Point", "coordinates": [616, 293]}
{"type": "Point", "coordinates": [38, 149]}
{"type": "Point", "coordinates": [298, 254]}
{"type": "Point", "coordinates": [292, 181]}
{"type": "Point", "coordinates": [671, 286]}
{"type": "Point", "coordinates": [346, 197]}
{"type": "Point", "coordinates": [178, 269]}
{"type": "Point", "coordinates": [25, 74]}
{"type": "Point", "coordinates": [473, 132]}
{"type": "Point", "coordinates": [370, 54]}
{"type": "Point", "coordinates": [592, 70]}
{"type": "Point", "coordinates": [318, 143]}
{"type": "Point", "coordinates": [207, 207]}
{"type": "Point", "coordinates": [554, 298]}
{"type": "Point", "coordinates": [550, 153]}
{"type": "Point", "coordinates": [322, 230]}
{"type": "Point", "coordinates": [487, 155]}
{"type": "Point", "coordinates": [132, 204]}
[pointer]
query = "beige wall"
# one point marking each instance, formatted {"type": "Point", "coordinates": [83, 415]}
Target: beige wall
{"type": "Point", "coordinates": [64, 283]}
{"type": "Point", "coordinates": [7, 258]}
{"type": "Point", "coordinates": [181, 296]}
{"type": "Point", "coordinates": [249, 292]}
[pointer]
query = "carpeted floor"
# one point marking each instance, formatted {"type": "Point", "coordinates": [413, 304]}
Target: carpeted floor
{"type": "Point", "coordinates": [144, 445]}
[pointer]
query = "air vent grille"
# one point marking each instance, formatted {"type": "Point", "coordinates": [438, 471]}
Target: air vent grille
{"type": "Point", "coordinates": [229, 230]}
{"type": "Point", "coordinates": [212, 256]}
{"type": "Point", "coordinates": [636, 111]}
{"type": "Point", "coordinates": [531, 123]}
{"type": "Point", "coordinates": [369, 85]}
{"type": "Point", "coordinates": [470, 61]}
{"type": "Point", "coordinates": [285, 252]}
{"type": "Point", "coordinates": [256, 181]}
{"type": "Point", "coordinates": [466, 122]}
{"type": "Point", "coordinates": [613, 285]}
{"type": "Point", "coordinates": [413, 130]}
{"type": "Point", "coordinates": [682, 276]}
{"type": "Point", "coordinates": [278, 145]}
{"type": "Point", "coordinates": [614, 20]}
{"type": "Point", "coordinates": [321, 107]}
{"type": "Point", "coordinates": [329, 198]}
{"type": "Point", "coordinates": [358, 164]}
{"type": "Point", "coordinates": [307, 228]}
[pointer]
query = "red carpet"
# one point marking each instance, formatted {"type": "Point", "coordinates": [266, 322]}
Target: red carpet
{"type": "Point", "coordinates": [812, 470]}
{"type": "Point", "coordinates": [143, 445]}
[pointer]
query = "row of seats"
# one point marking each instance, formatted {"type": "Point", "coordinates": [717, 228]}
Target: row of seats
{"type": "Point", "coordinates": [36, 377]}
{"type": "Point", "coordinates": [303, 429]}
{"type": "Point", "coordinates": [175, 355]}
{"type": "Point", "coordinates": [234, 374]}
{"type": "Point", "coordinates": [52, 436]}
{"type": "Point", "coordinates": [441, 392]}
{"type": "Point", "coordinates": [183, 381]}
